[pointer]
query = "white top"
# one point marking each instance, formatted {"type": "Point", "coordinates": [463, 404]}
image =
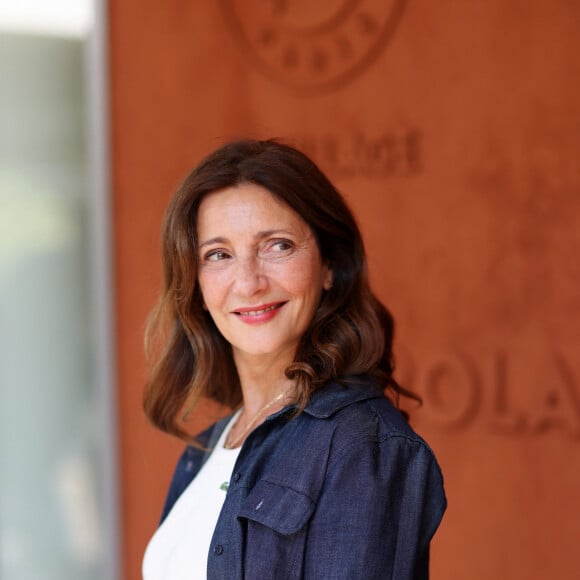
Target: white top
{"type": "Point", "coordinates": [179, 548]}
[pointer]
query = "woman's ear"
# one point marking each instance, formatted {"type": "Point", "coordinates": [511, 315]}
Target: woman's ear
{"type": "Point", "coordinates": [327, 282]}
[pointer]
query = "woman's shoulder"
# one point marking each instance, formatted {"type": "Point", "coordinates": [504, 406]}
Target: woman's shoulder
{"type": "Point", "coordinates": [359, 403]}
{"type": "Point", "coordinates": [349, 430]}
{"type": "Point", "coordinates": [359, 414]}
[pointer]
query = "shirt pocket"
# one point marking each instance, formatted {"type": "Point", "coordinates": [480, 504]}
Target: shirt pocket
{"type": "Point", "coordinates": [280, 508]}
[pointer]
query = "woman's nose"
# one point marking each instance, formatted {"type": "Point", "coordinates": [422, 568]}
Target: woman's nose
{"type": "Point", "coordinates": [249, 277]}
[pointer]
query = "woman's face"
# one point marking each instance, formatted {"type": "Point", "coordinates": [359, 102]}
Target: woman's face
{"type": "Point", "coordinates": [260, 272]}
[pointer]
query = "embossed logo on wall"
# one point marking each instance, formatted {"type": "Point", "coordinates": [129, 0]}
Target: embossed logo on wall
{"type": "Point", "coordinates": [380, 154]}
{"type": "Point", "coordinates": [505, 393]}
{"type": "Point", "coordinates": [313, 47]}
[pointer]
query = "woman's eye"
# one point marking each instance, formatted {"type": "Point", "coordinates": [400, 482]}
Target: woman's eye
{"type": "Point", "coordinates": [216, 256]}
{"type": "Point", "coordinates": [282, 245]}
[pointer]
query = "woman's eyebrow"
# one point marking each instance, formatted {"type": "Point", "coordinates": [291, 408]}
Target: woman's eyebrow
{"type": "Point", "coordinates": [266, 233]}
{"type": "Point", "coordinates": [216, 240]}
{"type": "Point", "coordinates": [258, 236]}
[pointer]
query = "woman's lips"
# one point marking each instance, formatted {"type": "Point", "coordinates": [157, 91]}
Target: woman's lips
{"type": "Point", "coordinates": [259, 314]}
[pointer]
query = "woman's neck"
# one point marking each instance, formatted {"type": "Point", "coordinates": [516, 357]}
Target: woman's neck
{"type": "Point", "coordinates": [265, 390]}
{"type": "Point", "coordinates": [261, 382]}
{"type": "Point", "coordinates": [263, 378]}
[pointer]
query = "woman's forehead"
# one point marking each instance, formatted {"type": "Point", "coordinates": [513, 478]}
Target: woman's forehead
{"type": "Point", "coordinates": [244, 208]}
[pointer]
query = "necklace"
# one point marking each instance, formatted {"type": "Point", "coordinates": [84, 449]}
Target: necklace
{"type": "Point", "coordinates": [232, 443]}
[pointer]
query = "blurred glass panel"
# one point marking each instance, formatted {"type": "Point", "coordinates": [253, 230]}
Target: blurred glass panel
{"type": "Point", "coordinates": [51, 492]}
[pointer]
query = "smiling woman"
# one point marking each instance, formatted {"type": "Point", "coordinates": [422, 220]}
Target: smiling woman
{"type": "Point", "coordinates": [267, 308]}
{"type": "Point", "coordinates": [262, 279]}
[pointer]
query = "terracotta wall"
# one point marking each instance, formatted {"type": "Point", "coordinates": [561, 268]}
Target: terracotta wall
{"type": "Point", "coordinates": [453, 128]}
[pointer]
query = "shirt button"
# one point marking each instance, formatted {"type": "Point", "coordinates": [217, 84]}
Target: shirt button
{"type": "Point", "coordinates": [237, 476]}
{"type": "Point", "coordinates": [218, 550]}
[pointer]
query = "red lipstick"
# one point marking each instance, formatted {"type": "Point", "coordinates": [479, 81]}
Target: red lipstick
{"type": "Point", "coordinates": [259, 314]}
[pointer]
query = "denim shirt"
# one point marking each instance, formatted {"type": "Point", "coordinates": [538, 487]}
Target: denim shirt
{"type": "Point", "coordinates": [344, 490]}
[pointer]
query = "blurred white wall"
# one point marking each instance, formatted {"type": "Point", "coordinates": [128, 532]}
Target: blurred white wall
{"type": "Point", "coordinates": [54, 504]}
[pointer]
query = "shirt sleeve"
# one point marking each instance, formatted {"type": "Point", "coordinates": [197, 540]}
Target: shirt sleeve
{"type": "Point", "coordinates": [379, 507]}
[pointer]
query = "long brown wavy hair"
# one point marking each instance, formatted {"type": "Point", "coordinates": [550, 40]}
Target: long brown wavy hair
{"type": "Point", "coordinates": [351, 332]}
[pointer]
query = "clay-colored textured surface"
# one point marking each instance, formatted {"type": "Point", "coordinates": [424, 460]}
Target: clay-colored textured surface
{"type": "Point", "coordinates": [453, 128]}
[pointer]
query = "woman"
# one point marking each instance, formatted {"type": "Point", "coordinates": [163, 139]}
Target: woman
{"type": "Point", "coordinates": [267, 308]}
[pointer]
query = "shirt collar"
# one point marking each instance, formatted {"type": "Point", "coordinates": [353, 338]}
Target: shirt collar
{"type": "Point", "coordinates": [334, 396]}
{"type": "Point", "coordinates": [323, 403]}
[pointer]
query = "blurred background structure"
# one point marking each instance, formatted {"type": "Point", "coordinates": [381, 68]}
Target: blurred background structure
{"type": "Point", "coordinates": [452, 128]}
{"type": "Point", "coordinates": [58, 440]}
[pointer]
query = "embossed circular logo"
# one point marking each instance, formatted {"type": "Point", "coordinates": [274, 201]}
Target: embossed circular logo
{"type": "Point", "coordinates": [311, 46]}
